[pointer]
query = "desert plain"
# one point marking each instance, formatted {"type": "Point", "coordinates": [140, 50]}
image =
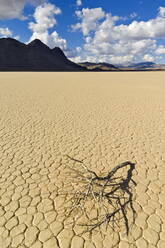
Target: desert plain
{"type": "Point", "coordinates": [103, 119]}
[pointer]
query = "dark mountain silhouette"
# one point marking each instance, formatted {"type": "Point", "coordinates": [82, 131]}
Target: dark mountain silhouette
{"type": "Point", "coordinates": [38, 44]}
{"type": "Point", "coordinates": [35, 56]}
{"type": "Point", "coordinates": [58, 52]}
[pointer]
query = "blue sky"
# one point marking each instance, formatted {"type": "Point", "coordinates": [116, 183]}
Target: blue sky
{"type": "Point", "coordinates": [114, 31]}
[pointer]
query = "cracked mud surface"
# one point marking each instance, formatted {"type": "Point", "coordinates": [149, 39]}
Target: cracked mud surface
{"type": "Point", "coordinates": [102, 118]}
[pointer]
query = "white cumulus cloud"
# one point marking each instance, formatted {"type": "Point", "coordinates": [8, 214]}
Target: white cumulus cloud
{"type": "Point", "coordinates": [89, 19]}
{"type": "Point", "coordinates": [148, 57]}
{"type": "Point", "coordinates": [5, 32]}
{"type": "Point", "coordinates": [107, 40]}
{"type": "Point", "coordinates": [78, 2]}
{"type": "Point", "coordinates": [162, 11]}
{"type": "Point", "coordinates": [160, 50]}
{"type": "Point", "coordinates": [10, 9]}
{"type": "Point", "coordinates": [44, 20]}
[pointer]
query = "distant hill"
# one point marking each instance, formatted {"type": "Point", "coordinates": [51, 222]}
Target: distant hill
{"type": "Point", "coordinates": [99, 66]}
{"type": "Point", "coordinates": [138, 66]}
{"type": "Point", "coordinates": [35, 56]}
{"type": "Point", "coordinates": [142, 65]}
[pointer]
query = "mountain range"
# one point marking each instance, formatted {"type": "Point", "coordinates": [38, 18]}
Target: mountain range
{"type": "Point", "coordinates": [99, 66]}
{"type": "Point", "coordinates": [36, 56]}
{"type": "Point", "coordinates": [142, 66]}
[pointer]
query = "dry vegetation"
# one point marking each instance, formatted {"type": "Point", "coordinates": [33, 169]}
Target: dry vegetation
{"type": "Point", "coordinates": [100, 200]}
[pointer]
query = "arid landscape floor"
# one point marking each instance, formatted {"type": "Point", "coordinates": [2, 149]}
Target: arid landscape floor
{"type": "Point", "coordinates": [103, 119]}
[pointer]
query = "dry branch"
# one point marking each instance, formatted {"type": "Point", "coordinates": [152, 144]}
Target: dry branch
{"type": "Point", "coordinates": [109, 197]}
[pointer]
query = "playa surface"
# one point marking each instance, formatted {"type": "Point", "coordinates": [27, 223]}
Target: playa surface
{"type": "Point", "coordinates": [101, 118]}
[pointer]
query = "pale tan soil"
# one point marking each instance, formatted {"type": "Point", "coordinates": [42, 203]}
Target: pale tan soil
{"type": "Point", "coordinates": [103, 118]}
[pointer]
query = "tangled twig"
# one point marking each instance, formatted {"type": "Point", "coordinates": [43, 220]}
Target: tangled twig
{"type": "Point", "coordinates": [109, 196]}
